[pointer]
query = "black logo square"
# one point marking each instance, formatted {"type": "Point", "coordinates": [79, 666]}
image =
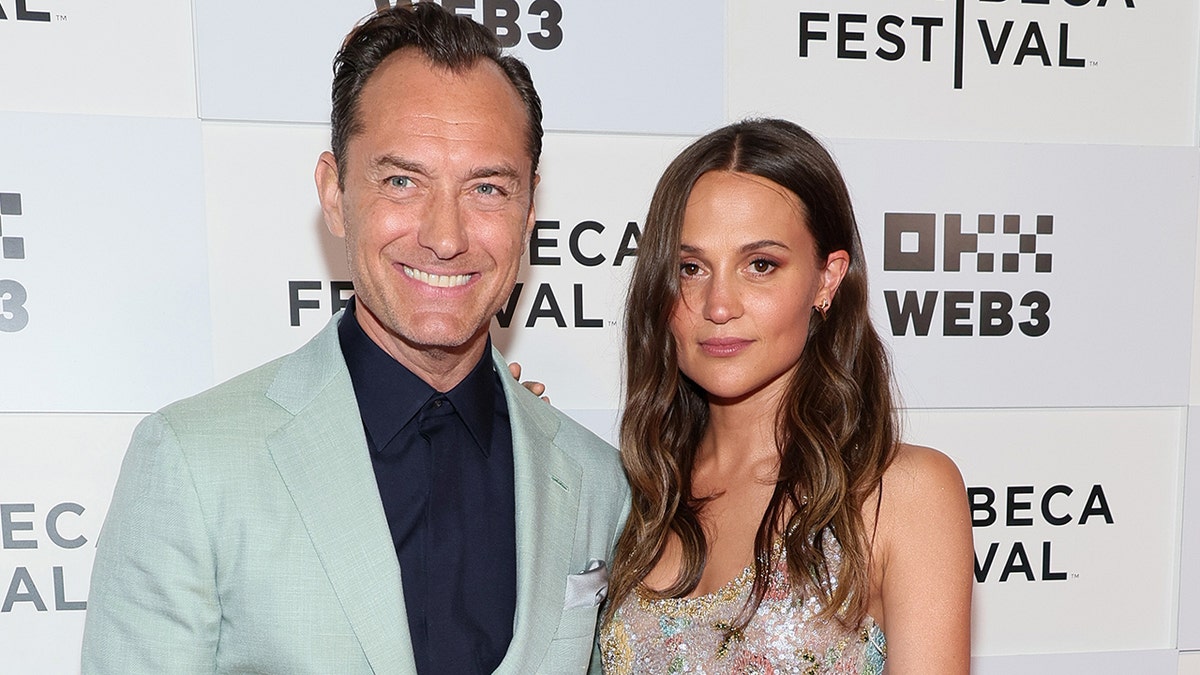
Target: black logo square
{"type": "Point", "coordinates": [10, 203]}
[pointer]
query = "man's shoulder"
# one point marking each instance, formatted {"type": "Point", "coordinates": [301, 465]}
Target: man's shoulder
{"type": "Point", "coordinates": [592, 453]}
{"type": "Point", "coordinates": [597, 458]}
{"type": "Point", "coordinates": [231, 396]}
{"type": "Point", "coordinates": [225, 416]}
{"type": "Point", "coordinates": [574, 435]}
{"type": "Point", "coordinates": [263, 392]}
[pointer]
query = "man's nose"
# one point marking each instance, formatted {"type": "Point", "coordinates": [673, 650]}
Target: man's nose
{"type": "Point", "coordinates": [443, 231]}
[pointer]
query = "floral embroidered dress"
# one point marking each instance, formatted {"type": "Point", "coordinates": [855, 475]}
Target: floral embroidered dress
{"type": "Point", "coordinates": [691, 635]}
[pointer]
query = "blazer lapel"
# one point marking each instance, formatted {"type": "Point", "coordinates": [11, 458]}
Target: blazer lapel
{"type": "Point", "coordinates": [547, 485]}
{"type": "Point", "coordinates": [322, 457]}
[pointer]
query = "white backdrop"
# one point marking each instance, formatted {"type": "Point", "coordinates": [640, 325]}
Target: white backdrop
{"type": "Point", "coordinates": [1025, 174]}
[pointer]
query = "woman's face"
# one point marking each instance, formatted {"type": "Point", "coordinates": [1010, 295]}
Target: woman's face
{"type": "Point", "coordinates": [749, 276]}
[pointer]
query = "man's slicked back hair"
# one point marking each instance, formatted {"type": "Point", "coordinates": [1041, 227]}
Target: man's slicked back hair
{"type": "Point", "coordinates": [448, 40]}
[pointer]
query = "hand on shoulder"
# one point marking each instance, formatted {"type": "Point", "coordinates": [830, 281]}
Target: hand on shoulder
{"type": "Point", "coordinates": [536, 388]}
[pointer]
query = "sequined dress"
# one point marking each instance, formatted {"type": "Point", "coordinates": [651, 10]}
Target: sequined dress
{"type": "Point", "coordinates": [691, 635]}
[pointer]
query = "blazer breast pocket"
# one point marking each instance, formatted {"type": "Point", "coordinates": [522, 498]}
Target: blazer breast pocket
{"type": "Point", "coordinates": [577, 622]}
{"type": "Point", "coordinates": [571, 655]}
{"type": "Point", "coordinates": [589, 587]}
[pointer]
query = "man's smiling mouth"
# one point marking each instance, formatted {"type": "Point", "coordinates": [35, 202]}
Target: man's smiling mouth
{"type": "Point", "coordinates": [438, 280]}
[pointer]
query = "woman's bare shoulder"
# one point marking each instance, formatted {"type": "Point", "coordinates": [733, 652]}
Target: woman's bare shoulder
{"type": "Point", "coordinates": [919, 472]}
{"type": "Point", "coordinates": [922, 569]}
{"type": "Point", "coordinates": [924, 500]}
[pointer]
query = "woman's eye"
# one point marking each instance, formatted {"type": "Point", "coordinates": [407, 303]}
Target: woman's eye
{"type": "Point", "coordinates": [762, 266]}
{"type": "Point", "coordinates": [689, 269]}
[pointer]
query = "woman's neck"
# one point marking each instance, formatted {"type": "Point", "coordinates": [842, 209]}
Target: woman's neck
{"type": "Point", "coordinates": [740, 437]}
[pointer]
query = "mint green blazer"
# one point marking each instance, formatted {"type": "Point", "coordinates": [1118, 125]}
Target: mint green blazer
{"type": "Point", "coordinates": [246, 534]}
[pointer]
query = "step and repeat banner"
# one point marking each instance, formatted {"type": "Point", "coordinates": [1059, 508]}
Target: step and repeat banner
{"type": "Point", "coordinates": [1025, 175]}
{"type": "Point", "coordinates": [1079, 71]}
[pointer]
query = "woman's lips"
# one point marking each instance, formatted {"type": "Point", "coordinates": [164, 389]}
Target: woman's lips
{"type": "Point", "coordinates": [724, 346]}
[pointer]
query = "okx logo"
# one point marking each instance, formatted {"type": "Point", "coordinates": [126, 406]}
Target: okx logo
{"type": "Point", "coordinates": [911, 244]}
{"type": "Point", "coordinates": [13, 316]}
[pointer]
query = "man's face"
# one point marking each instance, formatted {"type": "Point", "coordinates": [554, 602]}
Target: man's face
{"type": "Point", "coordinates": [436, 203]}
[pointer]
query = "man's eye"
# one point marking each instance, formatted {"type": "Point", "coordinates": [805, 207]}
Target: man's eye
{"type": "Point", "coordinates": [487, 189]}
{"type": "Point", "coordinates": [400, 181]}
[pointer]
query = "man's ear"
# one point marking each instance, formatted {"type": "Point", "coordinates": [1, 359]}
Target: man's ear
{"type": "Point", "coordinates": [330, 194]}
{"type": "Point", "coordinates": [836, 265]}
{"type": "Point", "coordinates": [531, 217]}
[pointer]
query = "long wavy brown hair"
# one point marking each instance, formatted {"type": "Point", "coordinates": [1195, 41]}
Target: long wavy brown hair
{"type": "Point", "coordinates": [837, 429]}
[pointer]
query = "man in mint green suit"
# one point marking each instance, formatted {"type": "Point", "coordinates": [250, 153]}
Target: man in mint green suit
{"type": "Point", "coordinates": [254, 527]}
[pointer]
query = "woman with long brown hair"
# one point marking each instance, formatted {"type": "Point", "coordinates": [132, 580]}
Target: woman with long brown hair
{"type": "Point", "coordinates": [777, 523]}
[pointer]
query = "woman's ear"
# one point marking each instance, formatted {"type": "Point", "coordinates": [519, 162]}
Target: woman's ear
{"type": "Point", "coordinates": [834, 271]}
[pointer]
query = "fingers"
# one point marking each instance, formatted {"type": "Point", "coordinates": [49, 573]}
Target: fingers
{"type": "Point", "coordinates": [535, 387]}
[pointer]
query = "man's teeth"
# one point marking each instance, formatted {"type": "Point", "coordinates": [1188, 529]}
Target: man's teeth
{"type": "Point", "coordinates": [439, 280]}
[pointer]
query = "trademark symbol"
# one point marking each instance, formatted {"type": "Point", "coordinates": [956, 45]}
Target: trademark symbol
{"type": "Point", "coordinates": [1093, 63]}
{"type": "Point", "coordinates": [1074, 575]}
{"type": "Point", "coordinates": [611, 322]}
{"type": "Point", "coordinates": [60, 17]}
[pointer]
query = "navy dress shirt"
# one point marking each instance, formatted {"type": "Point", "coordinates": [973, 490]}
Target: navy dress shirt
{"type": "Point", "coordinates": [444, 466]}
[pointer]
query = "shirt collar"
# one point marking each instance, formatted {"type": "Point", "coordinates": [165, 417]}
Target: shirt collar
{"type": "Point", "coordinates": [390, 395]}
{"type": "Point", "coordinates": [474, 399]}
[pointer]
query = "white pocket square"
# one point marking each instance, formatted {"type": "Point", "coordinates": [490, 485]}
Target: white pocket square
{"type": "Point", "coordinates": [588, 588]}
